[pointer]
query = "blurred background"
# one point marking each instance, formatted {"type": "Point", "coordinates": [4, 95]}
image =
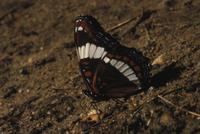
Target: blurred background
{"type": "Point", "coordinates": [41, 87]}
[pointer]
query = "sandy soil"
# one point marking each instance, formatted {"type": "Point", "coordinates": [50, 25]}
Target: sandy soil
{"type": "Point", "coordinates": [40, 83]}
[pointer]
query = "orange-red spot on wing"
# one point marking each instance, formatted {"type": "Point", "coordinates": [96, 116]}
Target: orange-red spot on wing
{"type": "Point", "coordinates": [88, 74]}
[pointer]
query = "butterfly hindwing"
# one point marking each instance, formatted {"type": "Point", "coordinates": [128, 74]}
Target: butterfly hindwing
{"type": "Point", "coordinates": [112, 83]}
{"type": "Point", "coordinates": [111, 76]}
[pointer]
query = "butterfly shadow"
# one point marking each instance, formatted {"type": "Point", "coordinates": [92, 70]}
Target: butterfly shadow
{"type": "Point", "coordinates": [169, 73]}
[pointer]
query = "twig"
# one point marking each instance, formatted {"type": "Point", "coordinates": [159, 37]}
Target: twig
{"type": "Point", "coordinates": [178, 107]}
{"type": "Point", "coordinates": [120, 24]}
{"type": "Point", "coordinates": [143, 16]}
{"type": "Point", "coordinates": [159, 95]}
{"type": "Point", "coordinates": [132, 27]}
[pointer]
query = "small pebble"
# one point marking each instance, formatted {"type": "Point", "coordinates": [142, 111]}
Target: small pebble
{"type": "Point", "coordinates": [48, 112]}
{"type": "Point", "coordinates": [19, 91]}
{"type": "Point", "coordinates": [93, 115]}
{"type": "Point", "coordinates": [166, 119]}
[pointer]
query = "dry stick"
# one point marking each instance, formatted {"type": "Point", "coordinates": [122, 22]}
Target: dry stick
{"type": "Point", "coordinates": [165, 100]}
{"type": "Point", "coordinates": [139, 19]}
{"type": "Point", "coordinates": [174, 105]}
{"type": "Point", "coordinates": [120, 25]}
{"type": "Point", "coordinates": [137, 22]}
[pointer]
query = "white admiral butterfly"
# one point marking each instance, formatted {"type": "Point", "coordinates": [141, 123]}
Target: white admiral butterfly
{"type": "Point", "coordinates": [109, 69]}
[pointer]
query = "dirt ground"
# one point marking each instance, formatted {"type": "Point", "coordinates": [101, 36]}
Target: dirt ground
{"type": "Point", "coordinates": [40, 83]}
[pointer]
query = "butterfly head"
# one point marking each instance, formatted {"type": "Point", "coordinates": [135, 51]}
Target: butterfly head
{"type": "Point", "coordinates": [85, 29]}
{"type": "Point", "coordinates": [87, 24]}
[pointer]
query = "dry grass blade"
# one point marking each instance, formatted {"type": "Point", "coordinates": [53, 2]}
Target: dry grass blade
{"type": "Point", "coordinates": [120, 25]}
{"type": "Point", "coordinates": [160, 60]}
{"type": "Point", "coordinates": [178, 107]}
{"type": "Point", "coordinates": [141, 18]}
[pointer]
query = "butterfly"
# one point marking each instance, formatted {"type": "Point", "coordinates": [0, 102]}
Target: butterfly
{"type": "Point", "coordinates": [109, 69]}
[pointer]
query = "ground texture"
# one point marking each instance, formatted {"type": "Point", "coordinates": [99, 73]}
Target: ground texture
{"type": "Point", "coordinates": [40, 83]}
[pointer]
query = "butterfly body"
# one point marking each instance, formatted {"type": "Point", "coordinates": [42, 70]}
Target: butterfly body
{"type": "Point", "coordinates": [109, 69]}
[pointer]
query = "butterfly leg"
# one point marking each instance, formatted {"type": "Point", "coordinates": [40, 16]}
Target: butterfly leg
{"type": "Point", "coordinates": [94, 106]}
{"type": "Point", "coordinates": [119, 101]}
